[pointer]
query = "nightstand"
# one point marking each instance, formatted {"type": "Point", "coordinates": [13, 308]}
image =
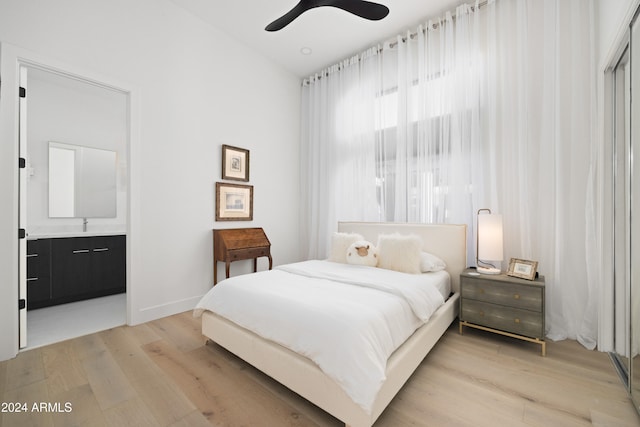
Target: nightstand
{"type": "Point", "coordinates": [503, 305]}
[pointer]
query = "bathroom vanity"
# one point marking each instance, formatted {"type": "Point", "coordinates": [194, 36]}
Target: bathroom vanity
{"type": "Point", "coordinates": [67, 268]}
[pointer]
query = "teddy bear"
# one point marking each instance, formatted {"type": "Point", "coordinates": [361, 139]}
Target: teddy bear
{"type": "Point", "coordinates": [362, 253]}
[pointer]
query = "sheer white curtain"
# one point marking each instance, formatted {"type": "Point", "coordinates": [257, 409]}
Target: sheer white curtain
{"type": "Point", "coordinates": [391, 134]}
{"type": "Point", "coordinates": [490, 109]}
{"type": "Point", "coordinates": [541, 94]}
{"type": "Point", "coordinates": [338, 178]}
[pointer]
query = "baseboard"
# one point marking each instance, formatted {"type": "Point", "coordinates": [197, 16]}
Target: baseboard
{"type": "Point", "coordinates": [149, 314]}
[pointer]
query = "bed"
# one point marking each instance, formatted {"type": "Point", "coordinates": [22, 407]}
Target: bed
{"type": "Point", "coordinates": [303, 376]}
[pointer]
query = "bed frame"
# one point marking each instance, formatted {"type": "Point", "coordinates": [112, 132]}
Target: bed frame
{"type": "Point", "coordinates": [305, 378]}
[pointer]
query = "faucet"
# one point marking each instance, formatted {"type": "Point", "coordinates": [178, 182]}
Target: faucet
{"type": "Point", "coordinates": [84, 224]}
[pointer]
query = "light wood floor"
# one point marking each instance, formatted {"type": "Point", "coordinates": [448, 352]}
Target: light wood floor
{"type": "Point", "coordinates": [162, 374]}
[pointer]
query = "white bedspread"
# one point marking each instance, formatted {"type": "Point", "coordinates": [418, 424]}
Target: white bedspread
{"type": "Point", "coordinates": [348, 319]}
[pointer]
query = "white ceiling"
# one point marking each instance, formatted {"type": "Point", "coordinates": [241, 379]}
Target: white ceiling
{"type": "Point", "coordinates": [331, 33]}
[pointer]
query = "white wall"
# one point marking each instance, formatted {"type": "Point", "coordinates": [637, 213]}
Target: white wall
{"type": "Point", "coordinates": [611, 18]}
{"type": "Point", "coordinates": [65, 110]}
{"type": "Point", "coordinates": [195, 89]}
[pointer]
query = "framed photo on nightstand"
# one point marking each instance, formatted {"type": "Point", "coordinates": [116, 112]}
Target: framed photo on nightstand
{"type": "Point", "coordinates": [522, 268]}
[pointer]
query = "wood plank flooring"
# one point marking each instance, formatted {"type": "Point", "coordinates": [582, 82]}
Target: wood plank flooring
{"type": "Point", "coordinates": [163, 374]}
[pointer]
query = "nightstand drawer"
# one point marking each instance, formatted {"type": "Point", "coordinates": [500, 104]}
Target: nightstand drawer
{"type": "Point", "coordinates": [517, 296]}
{"type": "Point", "coordinates": [522, 322]}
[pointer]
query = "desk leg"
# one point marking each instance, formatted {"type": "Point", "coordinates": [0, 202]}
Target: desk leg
{"type": "Point", "coordinates": [215, 272]}
{"type": "Point", "coordinates": [270, 262]}
{"type": "Point", "coordinates": [227, 266]}
{"type": "Point", "coordinates": [255, 265]}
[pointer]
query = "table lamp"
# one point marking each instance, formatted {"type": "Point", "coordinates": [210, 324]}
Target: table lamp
{"type": "Point", "coordinates": [489, 242]}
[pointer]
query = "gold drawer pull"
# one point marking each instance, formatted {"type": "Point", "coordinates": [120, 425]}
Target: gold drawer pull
{"type": "Point", "coordinates": [481, 313]}
{"type": "Point", "coordinates": [516, 296]}
{"type": "Point", "coordinates": [481, 290]}
{"type": "Point", "coordinates": [516, 320]}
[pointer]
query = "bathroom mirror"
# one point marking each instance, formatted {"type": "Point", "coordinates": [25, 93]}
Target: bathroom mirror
{"type": "Point", "coordinates": [82, 182]}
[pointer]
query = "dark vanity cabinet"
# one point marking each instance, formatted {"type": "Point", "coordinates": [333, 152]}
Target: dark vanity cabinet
{"type": "Point", "coordinates": [81, 268]}
{"type": "Point", "coordinates": [108, 264]}
{"type": "Point", "coordinates": [38, 272]}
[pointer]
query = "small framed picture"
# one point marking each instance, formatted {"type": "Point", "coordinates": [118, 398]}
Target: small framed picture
{"type": "Point", "coordinates": [522, 268]}
{"type": "Point", "coordinates": [234, 202]}
{"type": "Point", "coordinates": [235, 163]}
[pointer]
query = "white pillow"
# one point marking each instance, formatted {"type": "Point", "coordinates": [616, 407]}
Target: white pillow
{"type": "Point", "coordinates": [340, 243]}
{"type": "Point", "coordinates": [399, 252]}
{"type": "Point", "coordinates": [430, 262]}
{"type": "Point", "coordinates": [362, 253]}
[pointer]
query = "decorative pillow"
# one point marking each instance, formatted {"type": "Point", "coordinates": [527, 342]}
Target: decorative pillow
{"type": "Point", "coordinates": [399, 252]}
{"type": "Point", "coordinates": [430, 262]}
{"type": "Point", "coordinates": [340, 242]}
{"type": "Point", "coordinates": [362, 253]}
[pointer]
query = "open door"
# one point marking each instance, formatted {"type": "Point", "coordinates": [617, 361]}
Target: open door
{"type": "Point", "coordinates": [22, 208]}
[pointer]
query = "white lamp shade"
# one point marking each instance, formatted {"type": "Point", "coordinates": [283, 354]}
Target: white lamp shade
{"type": "Point", "coordinates": [490, 237]}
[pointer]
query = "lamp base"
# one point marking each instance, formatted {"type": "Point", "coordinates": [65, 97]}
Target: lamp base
{"type": "Point", "coordinates": [488, 270]}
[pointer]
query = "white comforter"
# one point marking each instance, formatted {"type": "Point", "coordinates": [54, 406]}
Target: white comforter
{"type": "Point", "coordinates": [347, 319]}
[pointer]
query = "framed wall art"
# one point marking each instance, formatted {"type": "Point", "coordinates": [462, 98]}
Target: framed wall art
{"type": "Point", "coordinates": [235, 163]}
{"type": "Point", "coordinates": [234, 202]}
{"type": "Point", "coordinates": [522, 268]}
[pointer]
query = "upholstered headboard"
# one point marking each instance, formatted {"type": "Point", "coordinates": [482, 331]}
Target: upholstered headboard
{"type": "Point", "coordinates": [447, 241]}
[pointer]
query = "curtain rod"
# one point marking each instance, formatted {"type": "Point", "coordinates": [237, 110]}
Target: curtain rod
{"type": "Point", "coordinates": [435, 25]}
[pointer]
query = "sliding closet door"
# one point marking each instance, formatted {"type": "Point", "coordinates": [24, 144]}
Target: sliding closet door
{"type": "Point", "coordinates": [634, 214]}
{"type": "Point", "coordinates": [621, 209]}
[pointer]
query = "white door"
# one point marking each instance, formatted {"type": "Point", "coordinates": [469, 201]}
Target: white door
{"type": "Point", "coordinates": [634, 205]}
{"type": "Point", "coordinates": [22, 208]}
{"type": "Point", "coordinates": [621, 211]}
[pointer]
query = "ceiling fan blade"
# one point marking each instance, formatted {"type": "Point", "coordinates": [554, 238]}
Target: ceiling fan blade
{"type": "Point", "coordinates": [361, 8]}
{"type": "Point", "coordinates": [364, 9]}
{"type": "Point", "coordinates": [288, 17]}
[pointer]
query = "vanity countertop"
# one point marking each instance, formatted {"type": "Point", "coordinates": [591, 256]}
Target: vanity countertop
{"type": "Point", "coordinates": [63, 234]}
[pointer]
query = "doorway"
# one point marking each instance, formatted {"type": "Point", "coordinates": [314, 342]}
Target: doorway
{"type": "Point", "coordinates": [67, 109]}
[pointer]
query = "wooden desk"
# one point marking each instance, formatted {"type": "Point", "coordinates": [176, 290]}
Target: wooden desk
{"type": "Point", "coordinates": [236, 244]}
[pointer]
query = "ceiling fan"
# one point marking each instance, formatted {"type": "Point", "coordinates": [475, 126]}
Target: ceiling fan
{"type": "Point", "coordinates": [364, 9]}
